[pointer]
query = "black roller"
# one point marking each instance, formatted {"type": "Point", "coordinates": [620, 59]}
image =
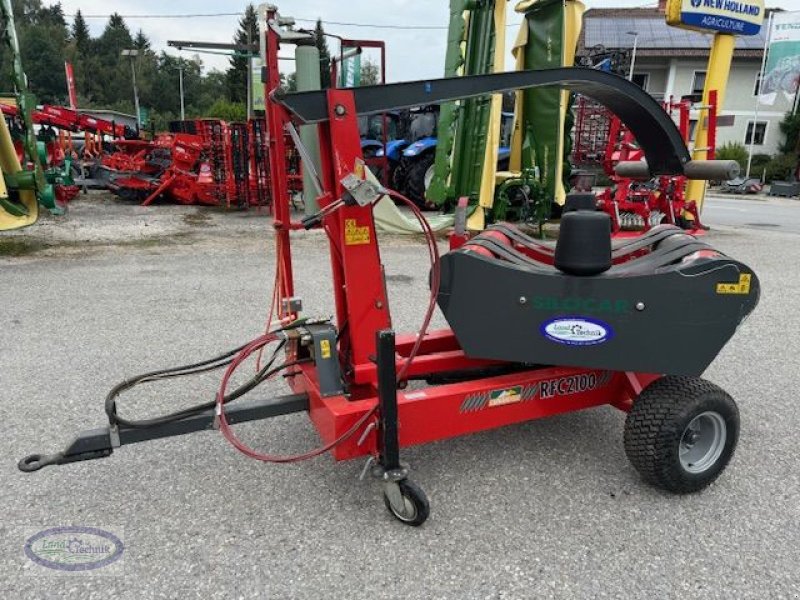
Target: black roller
{"type": "Point", "coordinates": [584, 243]}
{"type": "Point", "coordinates": [720, 170]}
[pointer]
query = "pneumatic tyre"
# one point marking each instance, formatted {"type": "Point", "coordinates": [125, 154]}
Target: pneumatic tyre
{"type": "Point", "coordinates": [419, 179]}
{"type": "Point", "coordinates": [681, 433]}
{"type": "Point", "coordinates": [415, 505]}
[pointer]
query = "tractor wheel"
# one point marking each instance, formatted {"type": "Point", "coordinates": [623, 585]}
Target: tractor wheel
{"type": "Point", "coordinates": [419, 179]}
{"type": "Point", "coordinates": [398, 175]}
{"type": "Point", "coordinates": [681, 433]}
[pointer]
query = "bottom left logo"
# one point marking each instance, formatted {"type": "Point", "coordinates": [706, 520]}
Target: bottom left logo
{"type": "Point", "coordinates": [74, 548]}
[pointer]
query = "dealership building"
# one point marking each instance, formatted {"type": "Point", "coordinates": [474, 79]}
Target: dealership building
{"type": "Point", "coordinates": [672, 62]}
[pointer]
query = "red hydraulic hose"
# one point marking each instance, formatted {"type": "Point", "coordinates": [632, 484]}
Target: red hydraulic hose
{"type": "Point", "coordinates": [226, 430]}
{"type": "Point", "coordinates": [259, 343]}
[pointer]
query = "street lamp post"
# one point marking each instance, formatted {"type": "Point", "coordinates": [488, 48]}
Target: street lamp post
{"type": "Point", "coordinates": [180, 76]}
{"type": "Point", "coordinates": [133, 54]}
{"type": "Point", "coordinates": [635, 35]}
{"type": "Point", "coordinates": [249, 74]}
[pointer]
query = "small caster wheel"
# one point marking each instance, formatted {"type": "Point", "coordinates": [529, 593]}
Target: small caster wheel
{"type": "Point", "coordinates": [407, 502]}
{"type": "Point", "coordinates": [681, 433]}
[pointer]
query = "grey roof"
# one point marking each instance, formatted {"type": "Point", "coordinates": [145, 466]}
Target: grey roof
{"type": "Point", "coordinates": [654, 33]}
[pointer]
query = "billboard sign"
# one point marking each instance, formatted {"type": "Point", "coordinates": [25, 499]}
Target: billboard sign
{"type": "Point", "coordinates": [350, 69]}
{"type": "Point", "coordinates": [256, 85]}
{"type": "Point", "coordinates": [738, 17]}
{"type": "Point", "coordinates": [782, 69]}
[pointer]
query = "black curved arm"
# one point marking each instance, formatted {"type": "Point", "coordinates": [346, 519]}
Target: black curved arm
{"type": "Point", "coordinates": [658, 135]}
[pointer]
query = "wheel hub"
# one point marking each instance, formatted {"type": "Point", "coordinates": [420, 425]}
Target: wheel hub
{"type": "Point", "coordinates": [702, 442]}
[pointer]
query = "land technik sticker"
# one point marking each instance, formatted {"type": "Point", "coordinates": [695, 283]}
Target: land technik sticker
{"type": "Point", "coordinates": [577, 331]}
{"type": "Point", "coordinates": [74, 549]}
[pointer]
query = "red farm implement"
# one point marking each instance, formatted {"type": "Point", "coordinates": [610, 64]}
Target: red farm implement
{"type": "Point", "coordinates": [204, 161]}
{"type": "Point", "coordinates": [527, 338]}
{"type": "Point", "coordinates": [634, 203]}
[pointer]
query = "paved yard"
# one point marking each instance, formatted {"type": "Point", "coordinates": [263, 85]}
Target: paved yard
{"type": "Point", "coordinates": [544, 509]}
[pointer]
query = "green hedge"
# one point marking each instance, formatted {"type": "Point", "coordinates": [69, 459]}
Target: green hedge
{"type": "Point", "coordinates": [781, 167]}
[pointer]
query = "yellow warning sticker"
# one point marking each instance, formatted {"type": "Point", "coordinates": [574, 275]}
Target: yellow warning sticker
{"type": "Point", "coordinates": [325, 348]}
{"type": "Point", "coordinates": [355, 235]}
{"type": "Point", "coordinates": [743, 287]}
{"type": "Point", "coordinates": [359, 167]}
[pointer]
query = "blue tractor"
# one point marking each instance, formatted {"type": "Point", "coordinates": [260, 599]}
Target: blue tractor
{"type": "Point", "coordinates": [411, 148]}
{"type": "Point", "coordinates": [373, 136]}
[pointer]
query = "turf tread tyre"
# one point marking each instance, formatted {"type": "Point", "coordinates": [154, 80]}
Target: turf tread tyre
{"type": "Point", "coordinates": [656, 423]}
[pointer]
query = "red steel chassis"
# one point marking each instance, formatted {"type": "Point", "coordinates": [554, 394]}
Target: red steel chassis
{"type": "Point", "coordinates": [362, 310]}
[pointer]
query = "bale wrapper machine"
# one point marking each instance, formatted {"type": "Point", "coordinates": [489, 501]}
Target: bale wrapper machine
{"type": "Point", "coordinates": [538, 329]}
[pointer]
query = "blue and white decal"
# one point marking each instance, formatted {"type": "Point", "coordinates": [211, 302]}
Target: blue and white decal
{"type": "Point", "coordinates": [419, 147]}
{"type": "Point", "coordinates": [577, 331]}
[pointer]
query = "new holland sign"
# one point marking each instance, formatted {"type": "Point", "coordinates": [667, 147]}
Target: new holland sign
{"type": "Point", "coordinates": [739, 17]}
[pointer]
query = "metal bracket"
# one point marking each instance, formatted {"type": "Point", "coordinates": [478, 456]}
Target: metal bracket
{"type": "Point", "coordinates": [293, 305]}
{"type": "Point", "coordinates": [326, 358]}
{"type": "Point", "coordinates": [113, 435]}
{"type": "Point", "coordinates": [395, 497]}
{"type": "Point", "coordinates": [363, 191]}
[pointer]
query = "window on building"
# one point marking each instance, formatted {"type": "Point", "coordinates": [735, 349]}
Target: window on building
{"type": "Point", "coordinates": [757, 134]}
{"type": "Point", "coordinates": [698, 82]}
{"type": "Point", "coordinates": [758, 84]}
{"type": "Point", "coordinates": [641, 79]}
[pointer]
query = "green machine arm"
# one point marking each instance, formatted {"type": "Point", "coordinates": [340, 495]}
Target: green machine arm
{"type": "Point", "coordinates": [463, 126]}
{"type": "Point", "coordinates": [25, 179]}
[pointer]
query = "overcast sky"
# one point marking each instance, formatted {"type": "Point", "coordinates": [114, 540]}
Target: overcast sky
{"type": "Point", "coordinates": [411, 53]}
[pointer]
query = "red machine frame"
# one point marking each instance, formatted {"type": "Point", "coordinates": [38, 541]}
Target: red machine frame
{"type": "Point", "coordinates": [667, 198]}
{"type": "Point", "coordinates": [428, 414]}
{"type": "Point", "coordinates": [346, 377]}
{"type": "Point", "coordinates": [379, 164]}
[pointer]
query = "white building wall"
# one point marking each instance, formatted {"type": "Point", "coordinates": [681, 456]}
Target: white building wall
{"type": "Point", "coordinates": [675, 76]}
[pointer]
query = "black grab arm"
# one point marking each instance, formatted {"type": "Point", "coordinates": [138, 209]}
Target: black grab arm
{"type": "Point", "coordinates": [658, 135]}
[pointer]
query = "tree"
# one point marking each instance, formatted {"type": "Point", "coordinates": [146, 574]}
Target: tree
{"type": "Point", "coordinates": [790, 128]}
{"type": "Point", "coordinates": [103, 75]}
{"type": "Point", "coordinates": [140, 42]}
{"type": "Point", "coordinates": [237, 72]}
{"type": "Point", "coordinates": [228, 111]}
{"type": "Point", "coordinates": [108, 73]}
{"type": "Point", "coordinates": [43, 42]}
{"type": "Point", "coordinates": [115, 38]}
{"type": "Point", "coordinates": [289, 81]}
{"type": "Point", "coordinates": [25, 11]}
{"type": "Point", "coordinates": [50, 16]}
{"type": "Point", "coordinates": [208, 90]}
{"type": "Point", "coordinates": [80, 33]}
{"type": "Point", "coordinates": [324, 55]}
{"type": "Point", "coordinates": [733, 151]}
{"type": "Point", "coordinates": [370, 73]}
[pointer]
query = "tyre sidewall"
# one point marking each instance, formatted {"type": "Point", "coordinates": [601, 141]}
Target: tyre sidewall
{"type": "Point", "coordinates": [671, 435]}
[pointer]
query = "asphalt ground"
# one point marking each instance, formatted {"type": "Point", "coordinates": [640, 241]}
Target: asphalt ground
{"type": "Point", "coordinates": [546, 509]}
{"type": "Point", "coordinates": [753, 212]}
